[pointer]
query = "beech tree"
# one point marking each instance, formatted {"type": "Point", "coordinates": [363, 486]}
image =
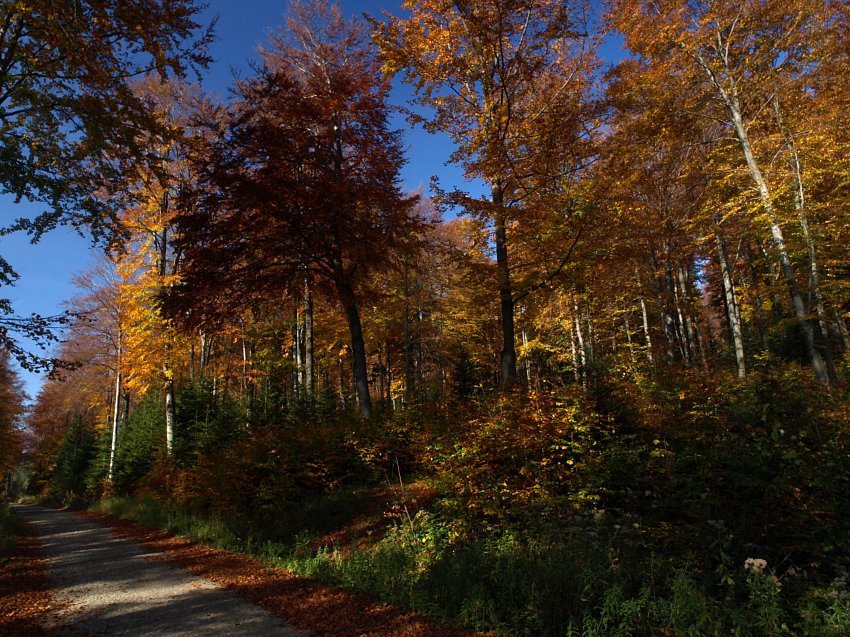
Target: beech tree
{"type": "Point", "coordinates": [148, 259]}
{"type": "Point", "coordinates": [656, 171]}
{"type": "Point", "coordinates": [741, 57]}
{"type": "Point", "coordinates": [97, 340]}
{"type": "Point", "coordinates": [507, 81]}
{"type": "Point", "coordinates": [304, 180]}
{"type": "Point", "coordinates": [77, 404]}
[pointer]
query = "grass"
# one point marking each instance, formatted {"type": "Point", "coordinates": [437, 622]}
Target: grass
{"type": "Point", "coordinates": [587, 579]}
{"type": "Point", "coordinates": [307, 523]}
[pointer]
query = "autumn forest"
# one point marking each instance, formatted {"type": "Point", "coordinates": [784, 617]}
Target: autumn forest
{"type": "Point", "coordinates": [599, 389]}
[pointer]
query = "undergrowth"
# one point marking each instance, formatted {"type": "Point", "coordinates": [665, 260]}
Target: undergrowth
{"type": "Point", "coordinates": [592, 578]}
{"type": "Point", "coordinates": [674, 506]}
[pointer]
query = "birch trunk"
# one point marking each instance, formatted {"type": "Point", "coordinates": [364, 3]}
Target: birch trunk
{"type": "Point", "coordinates": [574, 351]}
{"type": "Point", "coordinates": [116, 414]}
{"type": "Point", "coordinates": [244, 380]}
{"type": "Point", "coordinates": [295, 354]}
{"type": "Point", "coordinates": [732, 310]}
{"type": "Point", "coordinates": [582, 348]}
{"type": "Point", "coordinates": [170, 416]}
{"type": "Point", "coordinates": [645, 316]}
{"type": "Point", "coordinates": [814, 276]}
{"type": "Point", "coordinates": [730, 99]}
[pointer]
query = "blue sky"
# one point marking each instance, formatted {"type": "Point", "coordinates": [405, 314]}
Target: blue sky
{"type": "Point", "coordinates": [46, 269]}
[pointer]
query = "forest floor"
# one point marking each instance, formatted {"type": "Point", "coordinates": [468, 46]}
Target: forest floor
{"type": "Point", "coordinates": [91, 574]}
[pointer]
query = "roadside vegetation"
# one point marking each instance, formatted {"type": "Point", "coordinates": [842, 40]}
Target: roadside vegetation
{"type": "Point", "coordinates": [680, 505]}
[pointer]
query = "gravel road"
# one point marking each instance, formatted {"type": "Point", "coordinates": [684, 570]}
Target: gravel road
{"type": "Point", "coordinates": [112, 588]}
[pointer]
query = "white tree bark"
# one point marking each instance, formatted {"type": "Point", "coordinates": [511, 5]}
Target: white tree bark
{"type": "Point", "coordinates": [116, 415]}
{"type": "Point", "coordinates": [733, 312]}
{"type": "Point", "coordinates": [730, 99]}
{"type": "Point", "coordinates": [648, 337]}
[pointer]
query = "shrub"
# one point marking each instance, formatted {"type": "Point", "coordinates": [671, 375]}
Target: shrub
{"type": "Point", "coordinates": [526, 457]}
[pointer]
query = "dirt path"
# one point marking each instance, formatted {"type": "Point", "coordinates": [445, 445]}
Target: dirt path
{"type": "Point", "coordinates": [113, 588]}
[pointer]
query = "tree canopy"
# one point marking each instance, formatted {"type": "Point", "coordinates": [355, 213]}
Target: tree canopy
{"type": "Point", "coordinates": [69, 115]}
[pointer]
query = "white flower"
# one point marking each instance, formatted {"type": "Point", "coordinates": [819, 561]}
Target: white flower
{"type": "Point", "coordinates": [755, 564]}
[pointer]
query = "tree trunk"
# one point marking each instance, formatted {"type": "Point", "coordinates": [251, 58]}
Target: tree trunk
{"type": "Point", "coordinates": [527, 357]}
{"type": "Point", "coordinates": [732, 310]}
{"type": "Point", "coordinates": [341, 366]}
{"type": "Point", "coordinates": [667, 323]}
{"type": "Point", "coordinates": [814, 276]}
{"type": "Point", "coordinates": [170, 416]}
{"type": "Point", "coordinates": [347, 298]}
{"type": "Point", "coordinates": [757, 300]}
{"type": "Point", "coordinates": [691, 329]}
{"type": "Point", "coordinates": [843, 334]}
{"type": "Point", "coordinates": [506, 301]}
{"type": "Point", "coordinates": [167, 371]}
{"type": "Point", "coordinates": [778, 237]}
{"type": "Point", "coordinates": [243, 381]}
{"type": "Point", "coordinates": [382, 397]}
{"type": "Point", "coordinates": [842, 330]}
{"type": "Point", "coordinates": [582, 346]}
{"type": "Point", "coordinates": [629, 337]}
{"type": "Point", "coordinates": [677, 317]}
{"type": "Point", "coordinates": [645, 317]}
{"type": "Point", "coordinates": [409, 368]}
{"type": "Point", "coordinates": [730, 99]}
{"type": "Point", "coordinates": [309, 341]}
{"type": "Point", "coordinates": [116, 414]}
{"type": "Point", "coordinates": [295, 354]}
{"type": "Point", "coordinates": [206, 351]}
{"type": "Point", "coordinates": [388, 372]}
{"type": "Point", "coordinates": [420, 357]}
{"type": "Point", "coordinates": [674, 313]}
{"type": "Point", "coordinates": [574, 350]}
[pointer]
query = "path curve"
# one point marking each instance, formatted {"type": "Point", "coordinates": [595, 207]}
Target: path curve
{"type": "Point", "coordinates": [112, 588]}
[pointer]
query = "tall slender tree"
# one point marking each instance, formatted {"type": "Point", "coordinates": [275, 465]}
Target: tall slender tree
{"type": "Point", "coordinates": [12, 398]}
{"type": "Point", "coordinates": [496, 77]}
{"type": "Point", "coordinates": [737, 58]}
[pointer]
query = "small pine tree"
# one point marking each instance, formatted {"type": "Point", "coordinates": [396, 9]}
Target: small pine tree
{"type": "Point", "coordinates": [68, 484]}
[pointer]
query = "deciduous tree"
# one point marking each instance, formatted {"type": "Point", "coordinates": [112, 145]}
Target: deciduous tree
{"type": "Point", "coordinates": [738, 58]}
{"type": "Point", "coordinates": [507, 81]}
{"type": "Point", "coordinates": [305, 178]}
{"type": "Point", "coordinates": [12, 398]}
{"type": "Point", "coordinates": [68, 108]}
